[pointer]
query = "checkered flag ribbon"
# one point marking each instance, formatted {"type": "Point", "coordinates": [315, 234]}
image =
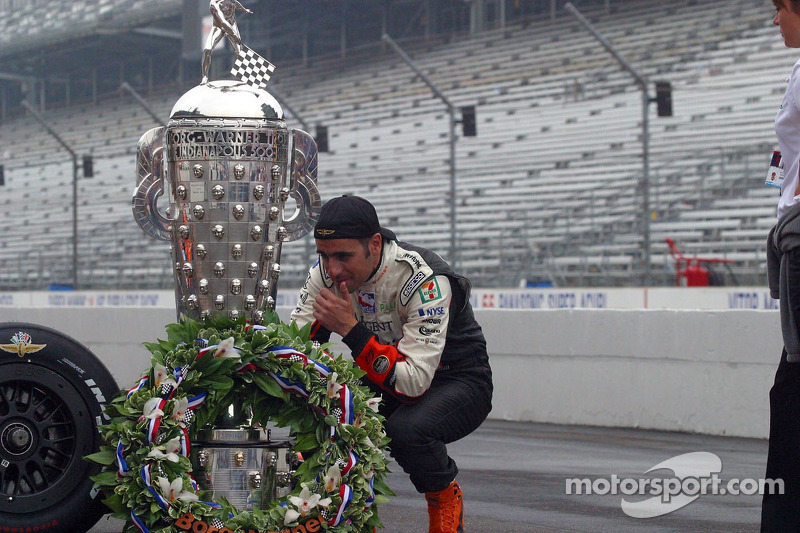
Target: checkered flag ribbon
{"type": "Point", "coordinates": [252, 69]}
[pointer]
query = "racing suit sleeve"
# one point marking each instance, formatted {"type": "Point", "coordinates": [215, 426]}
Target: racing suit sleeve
{"type": "Point", "coordinates": [405, 370]}
{"type": "Point", "coordinates": [304, 312]}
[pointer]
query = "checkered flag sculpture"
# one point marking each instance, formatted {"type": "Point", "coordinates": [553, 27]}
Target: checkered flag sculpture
{"type": "Point", "coordinates": [252, 69]}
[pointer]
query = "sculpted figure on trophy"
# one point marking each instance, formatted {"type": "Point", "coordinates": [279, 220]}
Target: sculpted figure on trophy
{"type": "Point", "coordinates": [223, 13]}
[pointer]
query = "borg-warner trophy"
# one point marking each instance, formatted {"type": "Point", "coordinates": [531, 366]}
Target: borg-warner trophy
{"type": "Point", "coordinates": [228, 164]}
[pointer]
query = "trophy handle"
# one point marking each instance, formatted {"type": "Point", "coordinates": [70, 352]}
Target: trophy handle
{"type": "Point", "coordinates": [303, 186]}
{"type": "Point", "coordinates": [150, 185]}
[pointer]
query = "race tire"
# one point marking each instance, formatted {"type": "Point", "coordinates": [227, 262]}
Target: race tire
{"type": "Point", "coordinates": [52, 396]}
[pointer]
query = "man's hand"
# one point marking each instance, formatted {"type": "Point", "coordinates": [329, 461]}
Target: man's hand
{"type": "Point", "coordinates": [335, 312]}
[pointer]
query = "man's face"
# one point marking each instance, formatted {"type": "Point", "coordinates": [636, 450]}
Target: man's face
{"type": "Point", "coordinates": [348, 260]}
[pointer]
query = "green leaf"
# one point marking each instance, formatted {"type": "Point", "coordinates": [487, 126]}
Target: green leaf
{"type": "Point", "coordinates": [153, 347]}
{"type": "Point", "coordinates": [306, 443]}
{"type": "Point", "coordinates": [382, 488]}
{"type": "Point", "coordinates": [268, 385]}
{"type": "Point", "coordinates": [219, 382]}
{"type": "Point", "coordinates": [105, 457]}
{"type": "Point", "coordinates": [380, 498]}
{"type": "Point", "coordinates": [114, 502]}
{"type": "Point", "coordinates": [107, 478]}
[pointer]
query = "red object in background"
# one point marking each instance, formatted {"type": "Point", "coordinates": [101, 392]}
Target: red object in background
{"type": "Point", "coordinates": [691, 269]}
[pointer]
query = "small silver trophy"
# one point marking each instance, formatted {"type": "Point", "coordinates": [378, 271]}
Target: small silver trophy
{"type": "Point", "coordinates": [229, 164]}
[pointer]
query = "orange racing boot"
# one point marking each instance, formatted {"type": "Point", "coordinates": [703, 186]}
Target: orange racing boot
{"type": "Point", "coordinates": [446, 510]}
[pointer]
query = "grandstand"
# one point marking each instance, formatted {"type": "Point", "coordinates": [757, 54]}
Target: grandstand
{"type": "Point", "coordinates": [548, 191]}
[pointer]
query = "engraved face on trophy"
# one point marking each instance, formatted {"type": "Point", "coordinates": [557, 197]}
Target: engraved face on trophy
{"type": "Point", "coordinates": [229, 165]}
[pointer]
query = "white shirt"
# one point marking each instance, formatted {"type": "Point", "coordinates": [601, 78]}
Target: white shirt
{"type": "Point", "coordinates": [787, 129]}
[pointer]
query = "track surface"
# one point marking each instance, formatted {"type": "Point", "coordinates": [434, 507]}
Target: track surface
{"type": "Point", "coordinates": [514, 477]}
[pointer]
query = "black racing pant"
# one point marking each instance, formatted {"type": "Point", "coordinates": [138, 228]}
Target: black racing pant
{"type": "Point", "coordinates": [451, 409]}
{"type": "Point", "coordinates": [781, 513]}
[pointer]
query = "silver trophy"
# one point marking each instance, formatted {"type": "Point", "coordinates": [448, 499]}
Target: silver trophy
{"type": "Point", "coordinates": [229, 164]}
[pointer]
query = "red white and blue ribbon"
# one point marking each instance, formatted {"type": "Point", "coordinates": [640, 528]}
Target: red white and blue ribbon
{"type": "Point", "coordinates": [186, 445]}
{"type": "Point", "coordinates": [371, 498]}
{"type": "Point", "coordinates": [285, 352]}
{"type": "Point", "coordinates": [155, 422]}
{"type": "Point", "coordinates": [148, 483]}
{"type": "Point", "coordinates": [122, 465]}
{"type": "Point", "coordinates": [352, 460]}
{"type": "Point", "coordinates": [346, 493]}
{"type": "Point", "coordinates": [196, 401]}
{"type": "Point", "coordinates": [289, 386]}
{"type": "Point", "coordinates": [136, 388]}
{"type": "Point", "coordinates": [139, 523]}
{"type": "Point", "coordinates": [346, 398]}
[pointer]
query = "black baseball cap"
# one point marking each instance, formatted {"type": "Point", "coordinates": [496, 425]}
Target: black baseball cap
{"type": "Point", "coordinates": [349, 217]}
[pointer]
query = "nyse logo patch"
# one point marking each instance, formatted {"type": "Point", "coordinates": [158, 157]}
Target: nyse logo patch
{"type": "Point", "coordinates": [431, 311]}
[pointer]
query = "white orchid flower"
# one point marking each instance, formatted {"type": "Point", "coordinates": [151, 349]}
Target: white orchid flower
{"type": "Point", "coordinates": [162, 376]}
{"type": "Point", "coordinates": [333, 386]}
{"type": "Point", "coordinates": [332, 478]}
{"type": "Point", "coordinates": [307, 501]}
{"type": "Point", "coordinates": [174, 491]}
{"type": "Point", "coordinates": [151, 410]}
{"type": "Point", "coordinates": [179, 409]}
{"type": "Point", "coordinates": [172, 449]}
{"type": "Point", "coordinates": [374, 403]}
{"type": "Point", "coordinates": [290, 516]}
{"type": "Point", "coordinates": [226, 349]}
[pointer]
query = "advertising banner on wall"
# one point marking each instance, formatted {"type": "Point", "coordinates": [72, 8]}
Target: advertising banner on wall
{"type": "Point", "coordinates": [547, 298]}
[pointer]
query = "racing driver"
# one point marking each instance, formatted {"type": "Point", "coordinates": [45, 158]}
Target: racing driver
{"type": "Point", "coordinates": [406, 316]}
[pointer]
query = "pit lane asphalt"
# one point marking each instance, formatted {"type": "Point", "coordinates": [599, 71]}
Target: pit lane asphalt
{"type": "Point", "coordinates": [514, 476]}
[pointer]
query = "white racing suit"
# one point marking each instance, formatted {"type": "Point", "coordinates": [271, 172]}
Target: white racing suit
{"type": "Point", "coordinates": [419, 344]}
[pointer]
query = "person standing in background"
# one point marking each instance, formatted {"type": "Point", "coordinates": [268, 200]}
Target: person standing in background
{"type": "Point", "coordinates": [781, 512]}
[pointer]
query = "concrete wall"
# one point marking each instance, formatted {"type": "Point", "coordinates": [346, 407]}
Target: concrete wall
{"type": "Point", "coordinates": [701, 371]}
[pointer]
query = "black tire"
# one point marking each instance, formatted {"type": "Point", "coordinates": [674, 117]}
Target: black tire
{"type": "Point", "coordinates": [52, 395]}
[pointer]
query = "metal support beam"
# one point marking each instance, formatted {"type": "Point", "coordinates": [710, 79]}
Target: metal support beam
{"type": "Point", "coordinates": [642, 82]}
{"type": "Point", "coordinates": [74, 156]}
{"type": "Point", "coordinates": [452, 112]}
{"type": "Point", "coordinates": [125, 86]}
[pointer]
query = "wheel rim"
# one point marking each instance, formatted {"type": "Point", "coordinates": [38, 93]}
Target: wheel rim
{"type": "Point", "coordinates": [45, 429]}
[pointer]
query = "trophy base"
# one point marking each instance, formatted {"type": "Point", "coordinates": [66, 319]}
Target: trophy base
{"type": "Point", "coordinates": [244, 466]}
